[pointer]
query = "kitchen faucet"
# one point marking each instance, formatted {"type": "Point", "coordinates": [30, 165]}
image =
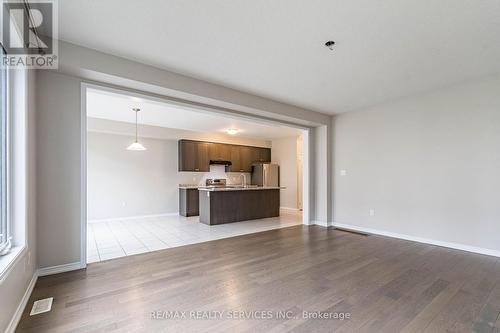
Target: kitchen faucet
{"type": "Point", "coordinates": [244, 184]}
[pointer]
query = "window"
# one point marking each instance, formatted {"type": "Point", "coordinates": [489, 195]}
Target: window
{"type": "Point", "coordinates": [5, 237]}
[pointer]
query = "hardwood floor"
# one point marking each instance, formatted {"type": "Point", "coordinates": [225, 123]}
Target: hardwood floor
{"type": "Point", "coordinates": [383, 284]}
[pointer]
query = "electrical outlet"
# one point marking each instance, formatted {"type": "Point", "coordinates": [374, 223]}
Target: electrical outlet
{"type": "Point", "coordinates": [371, 212]}
{"type": "Point", "coordinates": [124, 204]}
{"type": "Point", "coordinates": [343, 172]}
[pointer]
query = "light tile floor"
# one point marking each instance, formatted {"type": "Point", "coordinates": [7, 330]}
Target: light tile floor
{"type": "Point", "coordinates": [113, 239]}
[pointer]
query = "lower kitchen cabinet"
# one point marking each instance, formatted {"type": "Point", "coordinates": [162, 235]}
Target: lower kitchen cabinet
{"type": "Point", "coordinates": [218, 207]}
{"type": "Point", "coordinates": [189, 202]}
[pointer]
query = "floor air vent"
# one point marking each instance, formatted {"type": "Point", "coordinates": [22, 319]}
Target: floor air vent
{"type": "Point", "coordinates": [41, 306]}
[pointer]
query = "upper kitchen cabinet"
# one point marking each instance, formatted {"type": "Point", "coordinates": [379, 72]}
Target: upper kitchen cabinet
{"type": "Point", "coordinates": [235, 158]}
{"type": "Point", "coordinates": [194, 156]}
{"type": "Point", "coordinates": [248, 155]}
{"type": "Point", "coordinates": [219, 152]}
{"type": "Point", "coordinates": [264, 154]}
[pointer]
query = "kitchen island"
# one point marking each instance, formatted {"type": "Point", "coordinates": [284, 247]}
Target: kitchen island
{"type": "Point", "coordinates": [233, 204]}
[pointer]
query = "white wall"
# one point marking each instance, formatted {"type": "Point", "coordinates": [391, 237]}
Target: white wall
{"type": "Point", "coordinates": [429, 166]}
{"type": "Point", "coordinates": [321, 175]}
{"type": "Point", "coordinates": [284, 152]}
{"type": "Point", "coordinates": [123, 183]}
{"type": "Point", "coordinates": [59, 171]}
{"type": "Point", "coordinates": [300, 171]}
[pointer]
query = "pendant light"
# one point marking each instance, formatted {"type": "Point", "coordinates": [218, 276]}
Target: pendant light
{"type": "Point", "coordinates": [136, 146]}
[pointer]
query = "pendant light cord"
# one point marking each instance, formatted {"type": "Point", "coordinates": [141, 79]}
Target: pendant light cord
{"type": "Point", "coordinates": [136, 145]}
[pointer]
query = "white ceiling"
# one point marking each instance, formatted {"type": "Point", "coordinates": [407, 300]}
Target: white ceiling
{"type": "Point", "coordinates": [385, 49]}
{"type": "Point", "coordinates": [118, 107]}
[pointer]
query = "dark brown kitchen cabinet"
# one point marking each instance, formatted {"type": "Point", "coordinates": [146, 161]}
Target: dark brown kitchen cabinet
{"type": "Point", "coordinates": [247, 157]}
{"type": "Point", "coordinates": [196, 156]}
{"type": "Point", "coordinates": [189, 202]}
{"type": "Point", "coordinates": [264, 154]}
{"type": "Point", "coordinates": [235, 158]}
{"type": "Point", "coordinates": [219, 151]}
{"type": "Point", "coordinates": [193, 156]}
{"type": "Point", "coordinates": [217, 207]}
{"type": "Point", "coordinates": [250, 155]}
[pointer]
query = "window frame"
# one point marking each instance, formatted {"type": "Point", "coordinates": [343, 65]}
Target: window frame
{"type": "Point", "coordinates": [17, 172]}
{"type": "Point", "coordinates": [5, 142]}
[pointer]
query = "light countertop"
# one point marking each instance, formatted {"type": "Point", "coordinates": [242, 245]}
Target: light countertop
{"type": "Point", "coordinates": [230, 188]}
{"type": "Point", "coordinates": [249, 188]}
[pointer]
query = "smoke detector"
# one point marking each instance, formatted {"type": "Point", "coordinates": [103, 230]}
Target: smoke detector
{"type": "Point", "coordinates": [330, 44]}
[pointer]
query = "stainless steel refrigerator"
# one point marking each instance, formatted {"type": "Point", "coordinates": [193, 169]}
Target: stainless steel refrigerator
{"type": "Point", "coordinates": [265, 174]}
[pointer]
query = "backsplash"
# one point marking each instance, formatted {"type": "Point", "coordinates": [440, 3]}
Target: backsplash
{"type": "Point", "coordinates": [216, 172]}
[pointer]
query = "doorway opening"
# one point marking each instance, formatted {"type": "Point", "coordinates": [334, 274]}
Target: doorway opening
{"type": "Point", "coordinates": [148, 159]}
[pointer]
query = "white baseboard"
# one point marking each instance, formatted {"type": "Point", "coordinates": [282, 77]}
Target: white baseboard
{"type": "Point", "coordinates": [60, 269]}
{"type": "Point", "coordinates": [321, 223]}
{"type": "Point", "coordinates": [289, 210]}
{"type": "Point", "coordinates": [450, 245]}
{"type": "Point", "coordinates": [132, 217]}
{"type": "Point", "coordinates": [22, 305]}
{"type": "Point", "coordinates": [24, 301]}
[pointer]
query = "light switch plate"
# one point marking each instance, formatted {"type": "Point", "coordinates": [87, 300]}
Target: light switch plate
{"type": "Point", "coordinates": [343, 172]}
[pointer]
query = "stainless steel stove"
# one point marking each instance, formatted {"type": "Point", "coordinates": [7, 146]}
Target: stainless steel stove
{"type": "Point", "coordinates": [215, 183]}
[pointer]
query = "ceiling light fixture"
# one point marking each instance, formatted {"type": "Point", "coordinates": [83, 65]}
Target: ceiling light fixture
{"type": "Point", "coordinates": [330, 44]}
{"type": "Point", "coordinates": [136, 146]}
{"type": "Point", "coordinates": [232, 131]}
